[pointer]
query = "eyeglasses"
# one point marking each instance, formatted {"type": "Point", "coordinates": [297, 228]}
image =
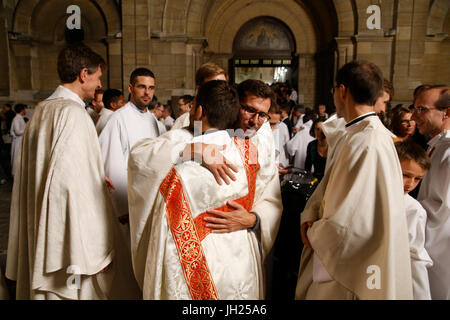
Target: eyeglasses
{"type": "Point", "coordinates": [252, 111]}
{"type": "Point", "coordinates": [420, 109]}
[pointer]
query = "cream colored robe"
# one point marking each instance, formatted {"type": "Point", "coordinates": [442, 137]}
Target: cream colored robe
{"type": "Point", "coordinates": [151, 238]}
{"type": "Point", "coordinates": [298, 145]}
{"type": "Point", "coordinates": [124, 128]}
{"type": "Point", "coordinates": [103, 119]}
{"type": "Point", "coordinates": [416, 217]}
{"type": "Point", "coordinates": [182, 121]}
{"type": "Point", "coordinates": [62, 220]}
{"type": "Point", "coordinates": [434, 196]}
{"type": "Point", "coordinates": [17, 129]}
{"type": "Point", "coordinates": [358, 201]}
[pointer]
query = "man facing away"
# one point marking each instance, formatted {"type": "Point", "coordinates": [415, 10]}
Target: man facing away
{"type": "Point", "coordinates": [124, 128]}
{"type": "Point", "coordinates": [432, 116]}
{"type": "Point", "coordinates": [62, 239]}
{"type": "Point", "coordinates": [356, 239]}
{"type": "Point", "coordinates": [112, 101]}
{"type": "Point", "coordinates": [167, 119]}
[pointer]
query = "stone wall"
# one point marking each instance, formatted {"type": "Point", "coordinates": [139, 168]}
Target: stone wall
{"type": "Point", "coordinates": [174, 37]}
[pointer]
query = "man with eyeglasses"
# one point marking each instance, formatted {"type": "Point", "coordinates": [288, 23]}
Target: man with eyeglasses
{"type": "Point", "coordinates": [250, 206]}
{"type": "Point", "coordinates": [354, 227]}
{"type": "Point", "coordinates": [253, 130]}
{"type": "Point", "coordinates": [432, 115]}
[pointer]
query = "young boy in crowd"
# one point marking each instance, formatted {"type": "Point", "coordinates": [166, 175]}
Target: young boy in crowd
{"type": "Point", "coordinates": [414, 162]}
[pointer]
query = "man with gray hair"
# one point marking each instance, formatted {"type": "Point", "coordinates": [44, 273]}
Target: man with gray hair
{"type": "Point", "coordinates": [432, 116]}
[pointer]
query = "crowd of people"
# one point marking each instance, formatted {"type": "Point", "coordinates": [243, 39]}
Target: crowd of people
{"type": "Point", "coordinates": [121, 199]}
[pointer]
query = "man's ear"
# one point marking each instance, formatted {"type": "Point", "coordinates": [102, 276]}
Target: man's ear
{"type": "Point", "coordinates": [83, 75]}
{"type": "Point", "coordinates": [343, 91]}
{"type": "Point", "coordinates": [198, 113]}
{"type": "Point", "coordinates": [130, 88]}
{"type": "Point", "coordinates": [447, 113]}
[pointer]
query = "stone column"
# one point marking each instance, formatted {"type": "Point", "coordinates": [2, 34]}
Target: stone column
{"type": "Point", "coordinates": [115, 67]}
{"type": "Point", "coordinates": [4, 59]}
{"type": "Point", "coordinates": [136, 37]}
{"type": "Point", "coordinates": [376, 49]}
{"type": "Point", "coordinates": [307, 80]}
{"type": "Point", "coordinates": [409, 47]}
{"type": "Point", "coordinates": [436, 60]}
{"type": "Point", "coordinates": [345, 51]}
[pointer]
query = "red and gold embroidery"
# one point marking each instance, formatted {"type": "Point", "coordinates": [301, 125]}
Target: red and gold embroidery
{"type": "Point", "coordinates": [188, 233]}
{"type": "Point", "coordinates": [249, 155]}
{"type": "Point", "coordinates": [190, 251]}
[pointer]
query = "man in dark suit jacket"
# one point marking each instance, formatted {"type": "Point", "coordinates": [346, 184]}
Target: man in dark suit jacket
{"type": "Point", "coordinates": [285, 110]}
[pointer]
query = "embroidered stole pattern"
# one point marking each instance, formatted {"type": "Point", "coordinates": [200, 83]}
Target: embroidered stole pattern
{"type": "Point", "coordinates": [188, 233]}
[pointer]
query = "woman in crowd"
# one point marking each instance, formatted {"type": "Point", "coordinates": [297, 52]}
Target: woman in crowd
{"type": "Point", "coordinates": [316, 154]}
{"type": "Point", "coordinates": [402, 125]}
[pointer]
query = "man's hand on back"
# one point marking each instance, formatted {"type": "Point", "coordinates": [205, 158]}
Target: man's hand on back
{"type": "Point", "coordinates": [303, 230]}
{"type": "Point", "coordinates": [225, 222]}
{"type": "Point", "coordinates": [212, 159]}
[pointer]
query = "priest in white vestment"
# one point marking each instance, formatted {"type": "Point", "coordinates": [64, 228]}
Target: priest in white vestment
{"type": "Point", "coordinates": [17, 129]}
{"type": "Point", "coordinates": [357, 241]}
{"type": "Point", "coordinates": [298, 145]}
{"type": "Point", "coordinates": [125, 127]}
{"type": "Point", "coordinates": [63, 241]}
{"type": "Point", "coordinates": [104, 116]}
{"type": "Point", "coordinates": [432, 116]}
{"type": "Point", "coordinates": [112, 101]}
{"type": "Point", "coordinates": [198, 264]}
{"type": "Point", "coordinates": [420, 259]}
{"type": "Point", "coordinates": [281, 137]}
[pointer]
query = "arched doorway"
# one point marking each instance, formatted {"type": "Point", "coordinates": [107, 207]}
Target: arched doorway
{"type": "Point", "coordinates": [39, 37]}
{"type": "Point", "coordinates": [264, 49]}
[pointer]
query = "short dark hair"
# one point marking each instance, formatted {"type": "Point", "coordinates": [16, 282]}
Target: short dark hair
{"type": "Point", "coordinates": [409, 150]}
{"type": "Point", "coordinates": [19, 107]}
{"type": "Point", "coordinates": [168, 108]}
{"type": "Point", "coordinates": [140, 72]}
{"type": "Point", "coordinates": [364, 80]}
{"type": "Point", "coordinates": [74, 58]}
{"type": "Point", "coordinates": [444, 99]}
{"type": "Point", "coordinates": [419, 89]}
{"type": "Point", "coordinates": [97, 92]}
{"type": "Point", "coordinates": [275, 108]}
{"type": "Point", "coordinates": [309, 115]}
{"type": "Point", "coordinates": [187, 98]}
{"type": "Point", "coordinates": [388, 87]}
{"type": "Point", "coordinates": [111, 95]}
{"type": "Point", "coordinates": [257, 88]}
{"type": "Point", "coordinates": [316, 121]}
{"type": "Point", "coordinates": [220, 103]}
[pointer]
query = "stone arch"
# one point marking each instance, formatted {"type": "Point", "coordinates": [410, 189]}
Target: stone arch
{"type": "Point", "coordinates": [227, 17]}
{"type": "Point", "coordinates": [347, 17]}
{"type": "Point", "coordinates": [41, 27]}
{"type": "Point", "coordinates": [437, 16]}
{"type": "Point", "coordinates": [25, 10]}
{"type": "Point", "coordinates": [196, 13]}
